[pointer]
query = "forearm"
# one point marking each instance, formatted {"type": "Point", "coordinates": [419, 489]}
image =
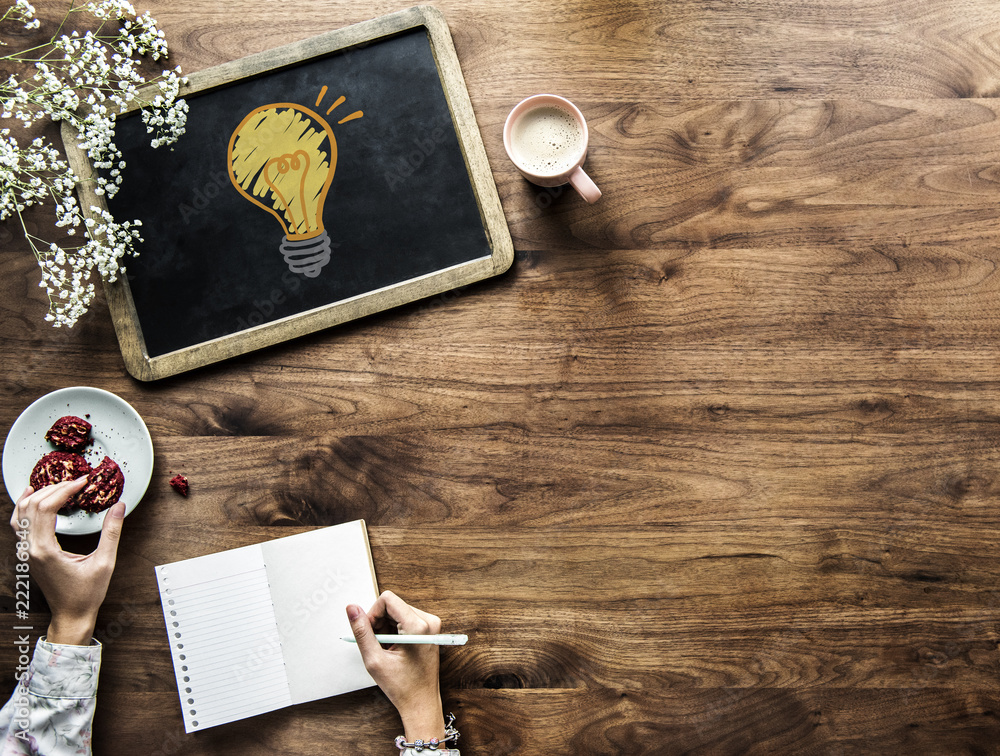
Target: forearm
{"type": "Point", "coordinates": [424, 722]}
{"type": "Point", "coordinates": [52, 709]}
{"type": "Point", "coordinates": [71, 631]}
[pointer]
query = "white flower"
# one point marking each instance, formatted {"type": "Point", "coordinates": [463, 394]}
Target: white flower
{"type": "Point", "coordinates": [85, 79]}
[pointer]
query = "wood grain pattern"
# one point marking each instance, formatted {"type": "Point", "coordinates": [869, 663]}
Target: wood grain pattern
{"type": "Point", "coordinates": [713, 469]}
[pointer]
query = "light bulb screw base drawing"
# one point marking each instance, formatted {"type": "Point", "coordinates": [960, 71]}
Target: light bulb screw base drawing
{"type": "Point", "coordinates": [306, 256]}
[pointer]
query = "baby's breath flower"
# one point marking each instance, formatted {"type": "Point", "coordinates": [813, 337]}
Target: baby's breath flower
{"type": "Point", "coordinates": [85, 79]}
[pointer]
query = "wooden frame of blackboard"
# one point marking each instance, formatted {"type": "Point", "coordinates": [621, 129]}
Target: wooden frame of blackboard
{"type": "Point", "coordinates": [137, 359]}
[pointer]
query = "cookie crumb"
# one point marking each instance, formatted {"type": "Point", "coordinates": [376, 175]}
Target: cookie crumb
{"type": "Point", "coordinates": [180, 484]}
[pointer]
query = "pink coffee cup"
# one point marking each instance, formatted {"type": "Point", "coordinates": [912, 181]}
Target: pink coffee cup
{"type": "Point", "coordinates": [546, 138]}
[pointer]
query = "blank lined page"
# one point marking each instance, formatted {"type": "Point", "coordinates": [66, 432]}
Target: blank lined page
{"type": "Point", "coordinates": [223, 637]}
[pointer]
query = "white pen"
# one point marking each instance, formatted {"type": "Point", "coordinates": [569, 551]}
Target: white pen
{"type": "Point", "coordinates": [437, 640]}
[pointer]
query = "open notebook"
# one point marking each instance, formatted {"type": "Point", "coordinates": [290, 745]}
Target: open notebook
{"type": "Point", "coordinates": [258, 628]}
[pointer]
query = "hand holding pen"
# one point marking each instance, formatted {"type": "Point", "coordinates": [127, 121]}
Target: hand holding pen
{"type": "Point", "coordinates": [406, 672]}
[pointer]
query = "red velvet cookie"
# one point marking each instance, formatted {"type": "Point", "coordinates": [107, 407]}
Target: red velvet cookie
{"type": "Point", "coordinates": [104, 487]}
{"type": "Point", "coordinates": [70, 433]}
{"type": "Point", "coordinates": [56, 467]}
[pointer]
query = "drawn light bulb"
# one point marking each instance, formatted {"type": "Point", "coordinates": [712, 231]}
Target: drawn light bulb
{"type": "Point", "coordinates": [282, 158]}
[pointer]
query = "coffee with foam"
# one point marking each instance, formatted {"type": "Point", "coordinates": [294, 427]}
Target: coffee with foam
{"type": "Point", "coordinates": [547, 141]}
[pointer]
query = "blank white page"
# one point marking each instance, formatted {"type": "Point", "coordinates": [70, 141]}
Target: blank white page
{"type": "Point", "coordinates": [313, 577]}
{"type": "Point", "coordinates": [223, 637]}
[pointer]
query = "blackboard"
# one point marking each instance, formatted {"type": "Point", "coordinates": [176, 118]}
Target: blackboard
{"type": "Point", "coordinates": [316, 183]}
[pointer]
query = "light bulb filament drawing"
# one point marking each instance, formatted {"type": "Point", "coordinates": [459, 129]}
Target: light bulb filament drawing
{"type": "Point", "coordinates": [282, 158]}
{"type": "Point", "coordinates": [298, 162]}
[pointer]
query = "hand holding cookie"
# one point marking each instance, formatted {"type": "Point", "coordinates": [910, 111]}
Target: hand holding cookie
{"type": "Point", "coordinates": [74, 584]}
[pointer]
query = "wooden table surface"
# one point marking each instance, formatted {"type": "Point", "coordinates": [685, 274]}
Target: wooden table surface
{"type": "Point", "coordinates": [713, 469]}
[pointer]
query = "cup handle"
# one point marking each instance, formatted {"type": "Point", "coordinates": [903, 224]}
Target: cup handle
{"type": "Point", "coordinates": [585, 185]}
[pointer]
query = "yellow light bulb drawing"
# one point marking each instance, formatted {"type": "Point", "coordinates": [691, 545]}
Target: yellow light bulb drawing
{"type": "Point", "coordinates": [282, 158]}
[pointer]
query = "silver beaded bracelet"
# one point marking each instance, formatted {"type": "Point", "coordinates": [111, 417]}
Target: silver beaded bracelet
{"type": "Point", "coordinates": [418, 745]}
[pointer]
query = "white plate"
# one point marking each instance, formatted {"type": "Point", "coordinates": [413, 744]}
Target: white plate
{"type": "Point", "coordinates": [118, 432]}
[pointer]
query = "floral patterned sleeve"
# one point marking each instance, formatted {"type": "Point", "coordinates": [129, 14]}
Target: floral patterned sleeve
{"type": "Point", "coordinates": [52, 710]}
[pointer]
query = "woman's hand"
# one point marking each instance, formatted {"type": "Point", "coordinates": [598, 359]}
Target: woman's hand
{"type": "Point", "coordinates": [74, 584]}
{"type": "Point", "coordinates": [408, 675]}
